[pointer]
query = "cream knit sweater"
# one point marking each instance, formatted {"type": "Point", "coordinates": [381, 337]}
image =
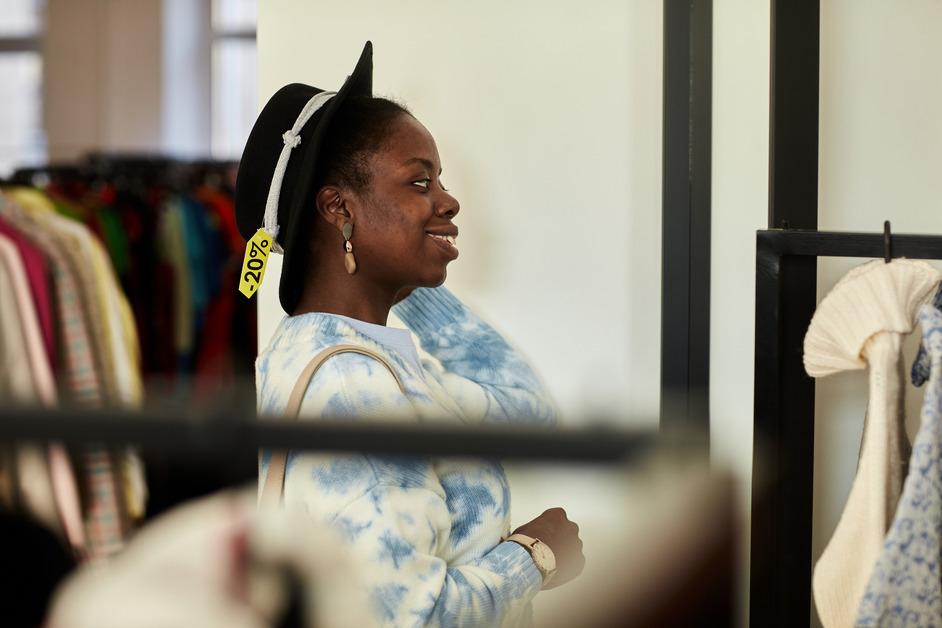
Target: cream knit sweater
{"type": "Point", "coordinates": [861, 323]}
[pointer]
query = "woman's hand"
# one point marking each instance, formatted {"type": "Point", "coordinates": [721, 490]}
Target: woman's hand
{"type": "Point", "coordinates": [402, 294]}
{"type": "Point", "coordinates": [562, 536]}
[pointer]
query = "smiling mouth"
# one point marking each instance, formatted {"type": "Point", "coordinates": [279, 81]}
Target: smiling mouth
{"type": "Point", "coordinates": [446, 243]}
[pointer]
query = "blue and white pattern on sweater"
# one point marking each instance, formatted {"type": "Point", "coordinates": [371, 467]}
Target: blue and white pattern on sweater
{"type": "Point", "coordinates": [922, 365]}
{"type": "Point", "coordinates": [430, 529]}
{"type": "Point", "coordinates": [904, 589]}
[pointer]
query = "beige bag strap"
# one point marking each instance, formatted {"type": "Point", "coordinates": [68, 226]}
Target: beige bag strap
{"type": "Point", "coordinates": [275, 481]}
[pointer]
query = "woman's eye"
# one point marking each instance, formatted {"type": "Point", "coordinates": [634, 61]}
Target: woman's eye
{"type": "Point", "coordinates": [442, 185]}
{"type": "Point", "coordinates": [423, 183]}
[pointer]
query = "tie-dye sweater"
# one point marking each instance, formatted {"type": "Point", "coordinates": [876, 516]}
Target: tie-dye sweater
{"type": "Point", "coordinates": [430, 529]}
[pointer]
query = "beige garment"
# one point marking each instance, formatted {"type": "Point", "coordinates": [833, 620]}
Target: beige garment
{"type": "Point", "coordinates": [63, 476]}
{"type": "Point", "coordinates": [80, 377]}
{"type": "Point", "coordinates": [861, 323]}
{"type": "Point", "coordinates": [31, 379]}
{"type": "Point", "coordinates": [36, 361]}
{"type": "Point", "coordinates": [16, 378]}
{"type": "Point", "coordinates": [123, 360]}
{"type": "Point", "coordinates": [174, 252]}
{"type": "Point", "coordinates": [41, 210]}
{"type": "Point", "coordinates": [109, 297]}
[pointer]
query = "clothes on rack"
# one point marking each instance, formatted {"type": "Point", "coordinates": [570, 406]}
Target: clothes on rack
{"type": "Point", "coordinates": [922, 365]}
{"type": "Point", "coordinates": [98, 366]}
{"type": "Point", "coordinates": [861, 324]}
{"type": "Point", "coordinates": [27, 378]}
{"type": "Point", "coordinates": [904, 588]}
{"type": "Point", "coordinates": [122, 271]}
{"type": "Point", "coordinates": [169, 228]}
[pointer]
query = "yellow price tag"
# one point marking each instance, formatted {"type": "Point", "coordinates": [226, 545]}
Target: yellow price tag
{"type": "Point", "coordinates": [253, 266]}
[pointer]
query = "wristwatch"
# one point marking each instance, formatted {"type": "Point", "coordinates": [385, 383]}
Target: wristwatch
{"type": "Point", "coordinates": [541, 554]}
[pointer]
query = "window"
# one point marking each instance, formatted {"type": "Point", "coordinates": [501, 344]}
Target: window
{"type": "Point", "coordinates": [22, 140]}
{"type": "Point", "coordinates": [234, 90]}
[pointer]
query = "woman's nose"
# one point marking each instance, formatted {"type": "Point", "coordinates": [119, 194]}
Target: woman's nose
{"type": "Point", "coordinates": [448, 206]}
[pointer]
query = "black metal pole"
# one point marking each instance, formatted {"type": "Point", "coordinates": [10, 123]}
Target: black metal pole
{"type": "Point", "coordinates": [783, 450]}
{"type": "Point", "coordinates": [685, 237]}
{"type": "Point", "coordinates": [793, 114]}
{"type": "Point", "coordinates": [225, 436]}
{"type": "Point", "coordinates": [786, 294]}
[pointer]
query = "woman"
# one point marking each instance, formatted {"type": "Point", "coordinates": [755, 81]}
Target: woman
{"type": "Point", "coordinates": [357, 204]}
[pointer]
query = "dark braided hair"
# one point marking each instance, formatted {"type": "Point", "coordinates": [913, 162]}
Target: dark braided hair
{"type": "Point", "coordinates": [360, 128]}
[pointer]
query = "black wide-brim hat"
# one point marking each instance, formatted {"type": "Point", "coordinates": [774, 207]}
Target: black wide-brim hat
{"type": "Point", "coordinates": [260, 157]}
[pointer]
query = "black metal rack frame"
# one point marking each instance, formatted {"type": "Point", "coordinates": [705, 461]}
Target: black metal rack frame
{"type": "Point", "coordinates": [229, 434]}
{"type": "Point", "coordinates": [685, 214]}
{"type": "Point", "coordinates": [783, 454]}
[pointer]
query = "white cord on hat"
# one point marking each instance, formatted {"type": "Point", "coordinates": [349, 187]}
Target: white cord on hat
{"type": "Point", "coordinates": [291, 139]}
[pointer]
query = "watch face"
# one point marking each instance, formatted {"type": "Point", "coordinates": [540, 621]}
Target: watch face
{"type": "Point", "coordinates": [543, 556]}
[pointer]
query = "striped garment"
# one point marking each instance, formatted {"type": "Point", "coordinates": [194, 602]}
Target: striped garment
{"type": "Point", "coordinates": [429, 530]}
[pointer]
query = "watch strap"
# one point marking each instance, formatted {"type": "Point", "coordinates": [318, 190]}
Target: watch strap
{"type": "Point", "coordinates": [523, 539]}
{"type": "Point", "coordinates": [528, 542]}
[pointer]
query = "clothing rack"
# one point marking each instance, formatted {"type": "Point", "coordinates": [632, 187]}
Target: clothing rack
{"type": "Point", "coordinates": [169, 228]}
{"type": "Point", "coordinates": [228, 433]}
{"type": "Point", "coordinates": [130, 169]}
{"type": "Point", "coordinates": [783, 437]}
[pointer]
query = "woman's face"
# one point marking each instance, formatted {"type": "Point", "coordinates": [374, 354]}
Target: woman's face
{"type": "Point", "coordinates": [403, 232]}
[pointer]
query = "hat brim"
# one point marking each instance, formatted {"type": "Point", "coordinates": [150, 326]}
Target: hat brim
{"type": "Point", "coordinates": [302, 209]}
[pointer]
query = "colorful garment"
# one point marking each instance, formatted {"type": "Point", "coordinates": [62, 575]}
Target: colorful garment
{"type": "Point", "coordinates": [38, 274]}
{"type": "Point", "coordinates": [24, 365]}
{"type": "Point", "coordinates": [83, 346]}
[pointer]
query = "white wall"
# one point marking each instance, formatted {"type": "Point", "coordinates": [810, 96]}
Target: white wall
{"type": "Point", "coordinates": [740, 207]}
{"type": "Point", "coordinates": [548, 121]}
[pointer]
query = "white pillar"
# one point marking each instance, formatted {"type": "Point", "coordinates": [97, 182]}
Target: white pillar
{"type": "Point", "coordinates": [126, 75]}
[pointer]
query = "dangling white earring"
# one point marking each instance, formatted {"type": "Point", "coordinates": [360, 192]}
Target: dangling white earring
{"type": "Point", "coordinates": [349, 261]}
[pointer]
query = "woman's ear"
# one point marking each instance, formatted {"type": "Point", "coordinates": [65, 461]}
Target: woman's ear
{"type": "Point", "coordinates": [333, 207]}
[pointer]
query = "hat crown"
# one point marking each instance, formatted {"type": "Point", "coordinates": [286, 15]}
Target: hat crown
{"type": "Point", "coordinates": [273, 132]}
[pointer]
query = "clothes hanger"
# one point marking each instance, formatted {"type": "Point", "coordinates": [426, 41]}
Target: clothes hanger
{"type": "Point", "coordinates": [887, 243]}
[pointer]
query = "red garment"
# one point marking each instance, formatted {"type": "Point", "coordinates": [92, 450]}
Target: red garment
{"type": "Point", "coordinates": [38, 274]}
{"type": "Point", "coordinates": [215, 360]}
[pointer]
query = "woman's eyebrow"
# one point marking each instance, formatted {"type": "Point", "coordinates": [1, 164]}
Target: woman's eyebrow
{"type": "Point", "coordinates": [425, 162]}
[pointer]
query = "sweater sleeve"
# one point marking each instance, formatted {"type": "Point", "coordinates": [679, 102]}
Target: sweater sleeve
{"type": "Point", "coordinates": [399, 530]}
{"type": "Point", "coordinates": [394, 513]}
{"type": "Point", "coordinates": [481, 369]}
